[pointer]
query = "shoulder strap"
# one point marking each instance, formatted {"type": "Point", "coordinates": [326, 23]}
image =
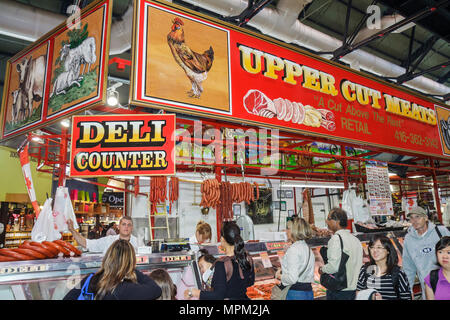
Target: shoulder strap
{"type": "Point", "coordinates": [438, 232]}
{"type": "Point", "coordinates": [434, 277]}
{"type": "Point", "coordinates": [395, 274]}
{"type": "Point", "coordinates": [84, 289]}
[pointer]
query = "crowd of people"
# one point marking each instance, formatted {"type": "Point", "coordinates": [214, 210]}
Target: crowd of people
{"type": "Point", "coordinates": [426, 254]}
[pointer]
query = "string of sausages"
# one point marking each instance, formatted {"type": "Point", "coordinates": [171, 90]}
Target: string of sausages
{"type": "Point", "coordinates": [31, 250]}
{"type": "Point", "coordinates": [226, 193]}
{"type": "Point", "coordinates": [158, 191]}
{"type": "Point", "coordinates": [210, 190]}
{"type": "Point", "coordinates": [174, 183]}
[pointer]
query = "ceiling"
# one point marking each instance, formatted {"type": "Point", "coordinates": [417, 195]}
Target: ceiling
{"type": "Point", "coordinates": [423, 48]}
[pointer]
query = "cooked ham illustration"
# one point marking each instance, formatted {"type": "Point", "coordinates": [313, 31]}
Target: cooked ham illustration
{"type": "Point", "coordinates": [257, 103]}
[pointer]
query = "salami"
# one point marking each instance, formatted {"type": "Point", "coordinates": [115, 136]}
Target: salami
{"type": "Point", "coordinates": [68, 246]}
{"type": "Point", "coordinates": [51, 249]}
{"type": "Point", "coordinates": [329, 125]}
{"type": "Point", "coordinates": [32, 253]}
{"type": "Point", "coordinates": [38, 248]}
{"type": "Point", "coordinates": [14, 254]}
{"type": "Point", "coordinates": [7, 259]}
{"type": "Point", "coordinates": [61, 249]}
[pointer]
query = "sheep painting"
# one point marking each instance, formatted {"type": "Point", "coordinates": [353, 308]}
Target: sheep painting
{"type": "Point", "coordinates": [72, 61]}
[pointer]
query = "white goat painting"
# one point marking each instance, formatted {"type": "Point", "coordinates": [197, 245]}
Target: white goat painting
{"type": "Point", "coordinates": [73, 59]}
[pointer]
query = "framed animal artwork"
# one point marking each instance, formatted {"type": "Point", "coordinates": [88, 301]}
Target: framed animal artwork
{"type": "Point", "coordinates": [179, 60]}
{"type": "Point", "coordinates": [60, 74]}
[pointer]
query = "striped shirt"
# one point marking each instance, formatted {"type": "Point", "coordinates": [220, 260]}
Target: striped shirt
{"type": "Point", "coordinates": [384, 285]}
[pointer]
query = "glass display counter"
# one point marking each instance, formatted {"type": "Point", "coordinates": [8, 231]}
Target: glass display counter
{"type": "Point", "coordinates": [51, 279]}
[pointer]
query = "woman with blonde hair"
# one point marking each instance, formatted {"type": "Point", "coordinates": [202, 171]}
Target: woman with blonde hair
{"type": "Point", "coordinates": [164, 281]}
{"type": "Point", "coordinates": [297, 265]}
{"type": "Point", "coordinates": [117, 279]}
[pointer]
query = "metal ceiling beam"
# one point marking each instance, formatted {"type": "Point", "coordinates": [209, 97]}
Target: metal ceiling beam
{"type": "Point", "coordinates": [410, 75]}
{"type": "Point", "coordinates": [444, 78]}
{"type": "Point", "coordinates": [346, 49]}
{"type": "Point", "coordinates": [248, 13]}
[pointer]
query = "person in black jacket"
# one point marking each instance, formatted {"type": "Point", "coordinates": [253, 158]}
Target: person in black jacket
{"type": "Point", "coordinates": [118, 278]}
{"type": "Point", "coordinates": [233, 273]}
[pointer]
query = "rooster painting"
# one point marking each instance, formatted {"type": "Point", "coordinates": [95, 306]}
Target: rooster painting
{"type": "Point", "coordinates": [195, 65]}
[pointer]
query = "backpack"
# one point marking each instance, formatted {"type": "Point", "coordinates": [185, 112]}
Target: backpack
{"type": "Point", "coordinates": [84, 294]}
{"type": "Point", "coordinates": [434, 277]}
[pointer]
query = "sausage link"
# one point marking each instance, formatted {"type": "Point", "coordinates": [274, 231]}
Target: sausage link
{"type": "Point", "coordinates": [51, 249]}
{"type": "Point", "coordinates": [57, 247]}
{"type": "Point", "coordinates": [69, 247]}
{"type": "Point", "coordinates": [40, 249]}
{"type": "Point", "coordinates": [32, 253]}
{"type": "Point", "coordinates": [7, 259]}
{"type": "Point", "coordinates": [15, 254]}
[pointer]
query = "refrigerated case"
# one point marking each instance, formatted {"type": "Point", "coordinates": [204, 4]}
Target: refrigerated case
{"type": "Point", "coordinates": [267, 259]}
{"type": "Point", "coordinates": [51, 279]}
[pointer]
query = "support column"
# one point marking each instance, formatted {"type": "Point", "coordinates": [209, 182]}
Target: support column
{"type": "Point", "coordinates": [344, 165]}
{"type": "Point", "coordinates": [436, 191]}
{"type": "Point", "coordinates": [63, 155]}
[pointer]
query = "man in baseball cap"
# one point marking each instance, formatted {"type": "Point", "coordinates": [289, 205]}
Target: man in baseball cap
{"type": "Point", "coordinates": [418, 250]}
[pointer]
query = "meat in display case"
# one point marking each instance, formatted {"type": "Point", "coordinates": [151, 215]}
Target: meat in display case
{"type": "Point", "coordinates": [51, 279]}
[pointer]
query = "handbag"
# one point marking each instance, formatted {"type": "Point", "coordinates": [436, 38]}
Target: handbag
{"type": "Point", "coordinates": [279, 292]}
{"type": "Point", "coordinates": [336, 281]}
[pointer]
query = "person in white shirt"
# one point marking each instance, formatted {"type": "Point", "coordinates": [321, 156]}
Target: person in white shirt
{"type": "Point", "coordinates": [297, 265]}
{"type": "Point", "coordinates": [202, 234]}
{"type": "Point", "coordinates": [102, 244]}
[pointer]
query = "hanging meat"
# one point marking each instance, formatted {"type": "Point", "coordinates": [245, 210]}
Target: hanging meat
{"type": "Point", "coordinates": [307, 209]}
{"type": "Point", "coordinates": [226, 202]}
{"type": "Point", "coordinates": [210, 190]}
{"type": "Point", "coordinates": [173, 191]}
{"type": "Point", "coordinates": [158, 192]}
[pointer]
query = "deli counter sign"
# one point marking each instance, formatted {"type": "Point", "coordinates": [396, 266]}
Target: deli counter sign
{"type": "Point", "coordinates": [136, 145]}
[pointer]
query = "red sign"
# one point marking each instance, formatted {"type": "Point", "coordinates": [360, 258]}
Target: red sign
{"type": "Point", "coordinates": [190, 63]}
{"type": "Point", "coordinates": [136, 145]}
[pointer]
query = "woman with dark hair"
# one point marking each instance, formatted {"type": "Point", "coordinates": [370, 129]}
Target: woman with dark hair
{"type": "Point", "coordinates": [382, 272]}
{"type": "Point", "coordinates": [206, 263]}
{"type": "Point", "coordinates": [233, 273]}
{"type": "Point", "coordinates": [118, 278]}
{"type": "Point", "coordinates": [437, 283]}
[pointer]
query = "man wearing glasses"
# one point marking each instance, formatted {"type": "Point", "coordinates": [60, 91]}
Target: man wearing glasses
{"type": "Point", "coordinates": [418, 250]}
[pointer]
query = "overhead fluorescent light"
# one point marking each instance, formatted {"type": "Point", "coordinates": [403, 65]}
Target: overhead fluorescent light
{"type": "Point", "coordinates": [392, 174]}
{"type": "Point", "coordinates": [314, 184]}
{"type": "Point", "coordinates": [420, 176]}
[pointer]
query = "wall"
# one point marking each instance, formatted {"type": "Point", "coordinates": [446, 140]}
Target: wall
{"type": "Point", "coordinates": [12, 180]}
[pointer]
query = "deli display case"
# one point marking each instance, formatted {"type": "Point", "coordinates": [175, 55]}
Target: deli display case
{"type": "Point", "coordinates": [51, 279]}
{"type": "Point", "coordinates": [267, 259]}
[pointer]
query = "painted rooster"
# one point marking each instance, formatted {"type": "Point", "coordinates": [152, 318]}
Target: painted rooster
{"type": "Point", "coordinates": [195, 65]}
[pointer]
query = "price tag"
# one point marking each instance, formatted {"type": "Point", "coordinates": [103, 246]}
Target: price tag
{"type": "Point", "coordinates": [265, 260]}
{"type": "Point", "coordinates": [142, 260]}
{"type": "Point", "coordinates": [24, 269]}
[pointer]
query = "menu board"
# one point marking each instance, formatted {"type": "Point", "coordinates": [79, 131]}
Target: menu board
{"type": "Point", "coordinates": [380, 200]}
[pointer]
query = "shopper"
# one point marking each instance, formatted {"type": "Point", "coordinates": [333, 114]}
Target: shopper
{"type": "Point", "coordinates": [112, 229]}
{"type": "Point", "coordinates": [297, 265]}
{"type": "Point", "coordinates": [382, 272]}
{"type": "Point", "coordinates": [233, 273]}
{"type": "Point", "coordinates": [206, 265]}
{"type": "Point", "coordinates": [102, 244]}
{"type": "Point", "coordinates": [164, 281]}
{"type": "Point", "coordinates": [202, 235]}
{"type": "Point", "coordinates": [118, 278]}
{"type": "Point", "coordinates": [418, 248]}
{"type": "Point", "coordinates": [337, 223]}
{"type": "Point", "coordinates": [437, 283]}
